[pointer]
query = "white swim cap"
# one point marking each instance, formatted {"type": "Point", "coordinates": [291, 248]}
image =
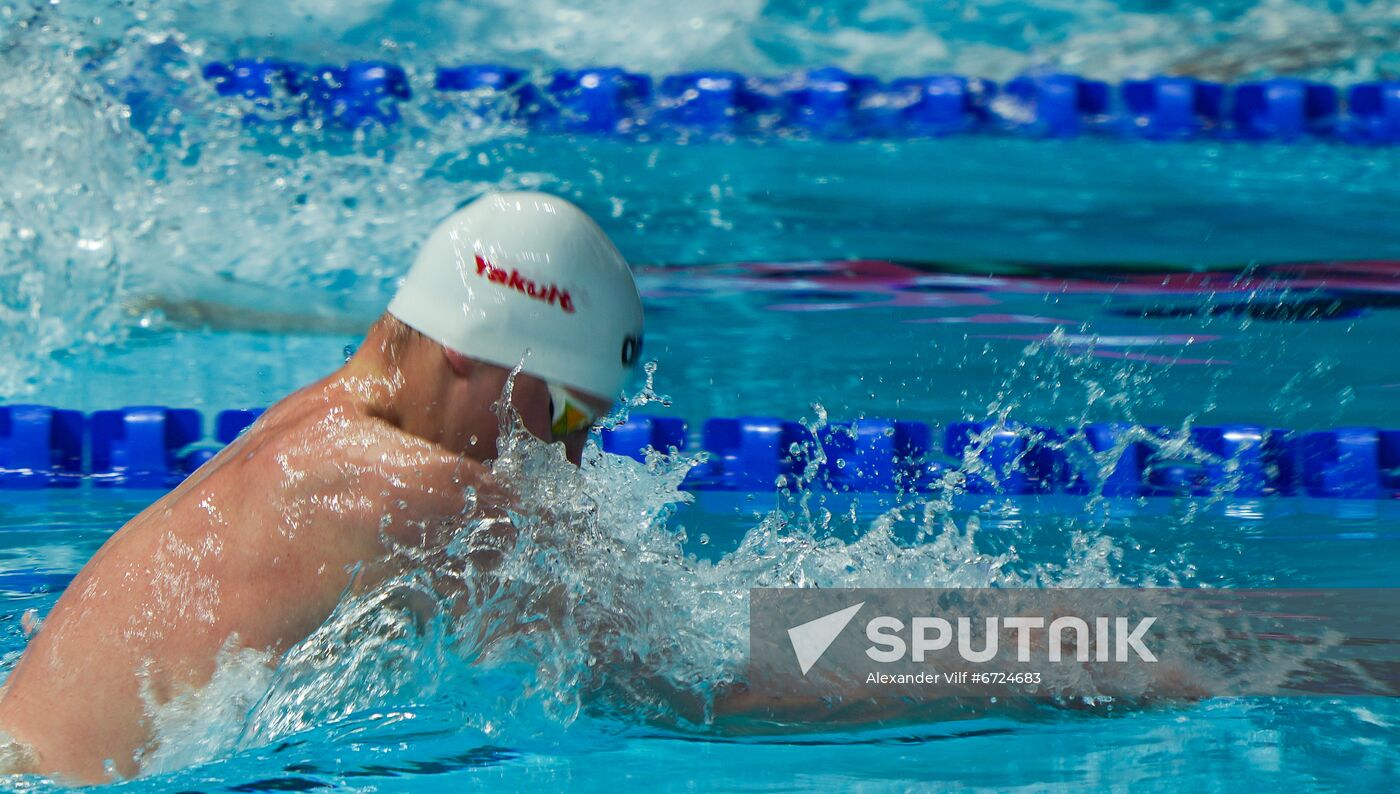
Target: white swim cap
{"type": "Point", "coordinates": [517, 272]}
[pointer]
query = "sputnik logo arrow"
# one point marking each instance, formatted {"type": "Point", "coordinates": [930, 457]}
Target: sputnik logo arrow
{"type": "Point", "coordinates": [811, 639]}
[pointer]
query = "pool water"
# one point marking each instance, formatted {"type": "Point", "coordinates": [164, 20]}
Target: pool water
{"type": "Point", "coordinates": [421, 743]}
{"type": "Point", "coordinates": [1292, 346]}
{"type": "Point", "coordinates": [182, 260]}
{"type": "Point", "coordinates": [1287, 347]}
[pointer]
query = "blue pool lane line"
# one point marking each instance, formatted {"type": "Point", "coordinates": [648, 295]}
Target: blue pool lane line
{"type": "Point", "coordinates": [879, 455]}
{"type": "Point", "coordinates": [134, 447]}
{"type": "Point", "coordinates": [156, 447]}
{"type": "Point", "coordinates": [826, 102]}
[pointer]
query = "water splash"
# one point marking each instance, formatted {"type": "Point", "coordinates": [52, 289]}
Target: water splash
{"type": "Point", "coordinates": [1113, 38]}
{"type": "Point", "coordinates": [62, 203]}
{"type": "Point", "coordinates": [133, 195]}
{"type": "Point", "coordinates": [582, 617]}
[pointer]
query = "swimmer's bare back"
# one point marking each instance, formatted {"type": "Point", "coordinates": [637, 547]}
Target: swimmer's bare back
{"type": "Point", "coordinates": [253, 551]}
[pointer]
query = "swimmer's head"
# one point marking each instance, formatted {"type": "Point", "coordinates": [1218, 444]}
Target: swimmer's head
{"type": "Point", "coordinates": [528, 279]}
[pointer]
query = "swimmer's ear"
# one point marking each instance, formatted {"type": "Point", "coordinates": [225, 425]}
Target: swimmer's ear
{"type": "Point", "coordinates": [460, 365]}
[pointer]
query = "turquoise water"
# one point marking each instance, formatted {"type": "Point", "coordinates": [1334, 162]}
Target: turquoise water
{"type": "Point", "coordinates": [1282, 346]}
{"type": "Point", "coordinates": [420, 743]}
{"type": "Point", "coordinates": [787, 341]}
{"type": "Point", "coordinates": [1052, 282]}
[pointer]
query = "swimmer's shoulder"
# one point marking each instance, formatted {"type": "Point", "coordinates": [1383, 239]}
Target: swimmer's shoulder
{"type": "Point", "coordinates": [424, 484]}
{"type": "Point", "coordinates": [414, 479]}
{"type": "Point", "coordinates": [316, 443]}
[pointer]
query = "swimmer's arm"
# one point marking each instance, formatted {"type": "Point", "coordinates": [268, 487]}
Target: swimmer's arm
{"type": "Point", "coordinates": [734, 709]}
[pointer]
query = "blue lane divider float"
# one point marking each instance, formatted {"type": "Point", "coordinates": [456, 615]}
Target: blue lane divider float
{"type": "Point", "coordinates": [877, 455]}
{"type": "Point", "coordinates": [138, 447]}
{"type": "Point", "coordinates": [474, 77]}
{"type": "Point", "coordinates": [1353, 462]}
{"type": "Point", "coordinates": [747, 454]}
{"type": "Point", "coordinates": [40, 447]}
{"type": "Point", "coordinates": [250, 78]}
{"type": "Point", "coordinates": [229, 424]}
{"type": "Point", "coordinates": [1284, 109]}
{"type": "Point", "coordinates": [1173, 107]}
{"type": "Point", "coordinates": [355, 95]}
{"type": "Point", "coordinates": [1007, 457]}
{"type": "Point", "coordinates": [1057, 105]}
{"type": "Point", "coordinates": [1125, 461]}
{"type": "Point", "coordinates": [156, 447]}
{"type": "Point", "coordinates": [662, 433]}
{"type": "Point", "coordinates": [700, 100]}
{"type": "Point", "coordinates": [133, 447]}
{"type": "Point", "coordinates": [1374, 112]}
{"type": "Point", "coordinates": [602, 100]}
{"type": "Point", "coordinates": [826, 102]}
{"type": "Point", "coordinates": [1242, 459]}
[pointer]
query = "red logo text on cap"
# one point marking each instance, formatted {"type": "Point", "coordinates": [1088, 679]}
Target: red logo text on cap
{"type": "Point", "coordinates": [513, 280]}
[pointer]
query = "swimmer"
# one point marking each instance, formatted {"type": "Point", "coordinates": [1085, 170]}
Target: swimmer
{"type": "Point", "coordinates": [257, 547]}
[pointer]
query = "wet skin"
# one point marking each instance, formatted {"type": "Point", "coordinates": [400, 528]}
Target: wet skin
{"type": "Point", "coordinates": [257, 547]}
